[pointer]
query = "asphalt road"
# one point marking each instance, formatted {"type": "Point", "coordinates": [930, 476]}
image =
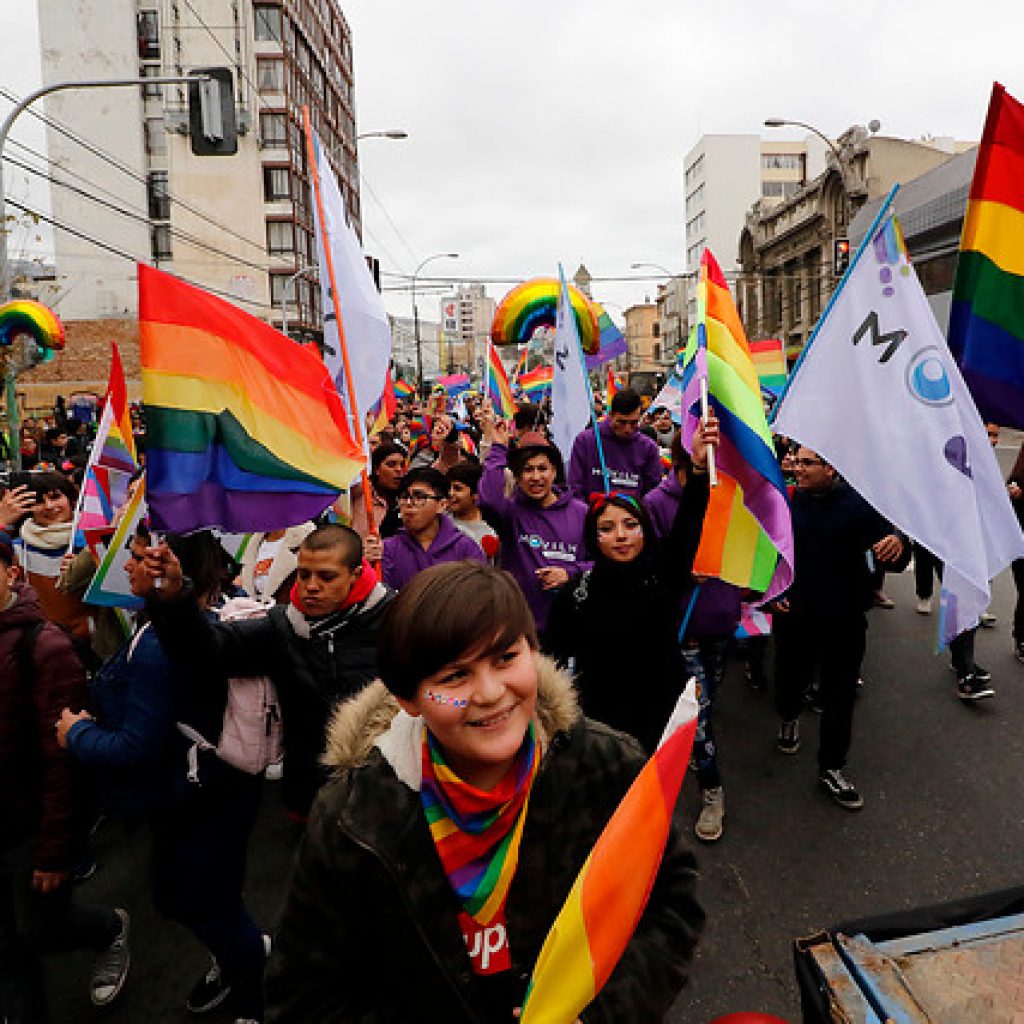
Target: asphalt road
{"type": "Point", "coordinates": [943, 790]}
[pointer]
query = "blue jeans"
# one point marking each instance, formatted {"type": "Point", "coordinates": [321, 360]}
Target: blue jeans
{"type": "Point", "coordinates": [706, 664]}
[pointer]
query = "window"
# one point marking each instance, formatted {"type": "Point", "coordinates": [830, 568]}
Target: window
{"type": "Point", "coordinates": [655, 329]}
{"type": "Point", "coordinates": [267, 19]}
{"type": "Point", "coordinates": [148, 29]}
{"type": "Point", "coordinates": [150, 92]}
{"type": "Point", "coordinates": [156, 139]}
{"type": "Point", "coordinates": [772, 189]}
{"type": "Point", "coordinates": [657, 352]}
{"type": "Point", "coordinates": [273, 129]}
{"type": "Point", "coordinates": [277, 283]}
{"type": "Point", "coordinates": [158, 195]}
{"type": "Point", "coordinates": [160, 240]}
{"type": "Point", "coordinates": [270, 74]}
{"type": "Point", "coordinates": [280, 237]}
{"type": "Point", "coordinates": [782, 161]}
{"type": "Point", "coordinates": [277, 184]}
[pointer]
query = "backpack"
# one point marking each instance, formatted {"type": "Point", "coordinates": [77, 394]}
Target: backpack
{"type": "Point", "coordinates": [250, 735]}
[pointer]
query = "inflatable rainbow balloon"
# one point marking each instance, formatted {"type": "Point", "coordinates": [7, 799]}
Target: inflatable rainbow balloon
{"type": "Point", "coordinates": [534, 304]}
{"type": "Point", "coordinates": [23, 316]}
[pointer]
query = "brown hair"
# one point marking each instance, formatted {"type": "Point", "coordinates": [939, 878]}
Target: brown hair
{"type": "Point", "coordinates": [445, 613]}
{"type": "Point", "coordinates": [334, 535]}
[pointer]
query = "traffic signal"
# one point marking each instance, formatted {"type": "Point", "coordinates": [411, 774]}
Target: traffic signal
{"type": "Point", "coordinates": [840, 256]}
{"type": "Point", "coordinates": [212, 128]}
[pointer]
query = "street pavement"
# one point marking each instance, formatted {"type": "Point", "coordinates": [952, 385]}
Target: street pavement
{"type": "Point", "coordinates": [942, 785]}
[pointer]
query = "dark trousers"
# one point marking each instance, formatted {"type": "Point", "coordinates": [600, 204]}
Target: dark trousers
{"type": "Point", "coordinates": [833, 647]}
{"type": "Point", "coordinates": [926, 568]}
{"type": "Point", "coordinates": [706, 663]}
{"type": "Point", "coordinates": [1018, 613]}
{"type": "Point", "coordinates": [32, 923]}
{"type": "Point", "coordinates": [199, 855]}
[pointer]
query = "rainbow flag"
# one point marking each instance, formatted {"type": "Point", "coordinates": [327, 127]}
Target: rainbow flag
{"type": "Point", "coordinates": [404, 390]}
{"type": "Point", "coordinates": [385, 407]}
{"type": "Point", "coordinates": [610, 893]}
{"type": "Point", "coordinates": [117, 396]}
{"type": "Point", "coordinates": [497, 386]}
{"type": "Point", "coordinates": [536, 383]}
{"type": "Point", "coordinates": [521, 362]}
{"type": "Point", "coordinates": [769, 358]}
{"type": "Point", "coordinates": [610, 340]}
{"type": "Point", "coordinates": [986, 326]}
{"type": "Point", "coordinates": [244, 428]}
{"type": "Point", "coordinates": [611, 387]}
{"type": "Point", "coordinates": [747, 538]}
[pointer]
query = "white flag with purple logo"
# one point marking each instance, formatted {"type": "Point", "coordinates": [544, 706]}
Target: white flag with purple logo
{"type": "Point", "coordinates": [879, 396]}
{"type": "Point", "coordinates": [570, 385]}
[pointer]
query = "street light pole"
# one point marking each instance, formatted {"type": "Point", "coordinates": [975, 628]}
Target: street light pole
{"type": "Point", "coordinates": [305, 269]}
{"type": "Point", "coordinates": [416, 313]}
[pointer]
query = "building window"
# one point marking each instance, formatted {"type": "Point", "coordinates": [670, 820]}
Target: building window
{"type": "Point", "coordinates": [273, 129]}
{"type": "Point", "coordinates": [156, 139]}
{"type": "Point", "coordinates": [782, 161]}
{"type": "Point", "coordinates": [158, 195]}
{"type": "Point", "coordinates": [270, 74]}
{"type": "Point", "coordinates": [150, 92]}
{"type": "Point", "coordinates": [657, 352]}
{"type": "Point", "coordinates": [160, 239]}
{"type": "Point", "coordinates": [277, 283]}
{"type": "Point", "coordinates": [148, 26]}
{"type": "Point", "coordinates": [267, 19]}
{"type": "Point", "coordinates": [280, 237]}
{"type": "Point", "coordinates": [277, 184]}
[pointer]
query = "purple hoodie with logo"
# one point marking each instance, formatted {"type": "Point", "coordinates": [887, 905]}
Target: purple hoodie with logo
{"type": "Point", "coordinates": [533, 537]}
{"type": "Point", "coordinates": [717, 610]}
{"type": "Point", "coordinates": [634, 465]}
{"type": "Point", "coordinates": [404, 556]}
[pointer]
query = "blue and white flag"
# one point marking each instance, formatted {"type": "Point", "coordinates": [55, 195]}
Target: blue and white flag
{"type": "Point", "coordinates": [367, 332]}
{"type": "Point", "coordinates": [570, 386]}
{"type": "Point", "coordinates": [879, 396]}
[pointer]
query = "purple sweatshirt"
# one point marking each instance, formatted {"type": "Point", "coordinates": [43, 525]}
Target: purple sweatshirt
{"type": "Point", "coordinates": [717, 610]}
{"type": "Point", "coordinates": [634, 466]}
{"type": "Point", "coordinates": [404, 555]}
{"type": "Point", "coordinates": [532, 537]}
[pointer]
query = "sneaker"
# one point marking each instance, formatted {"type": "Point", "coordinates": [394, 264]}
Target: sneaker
{"type": "Point", "coordinates": [209, 991]}
{"type": "Point", "coordinates": [841, 789]}
{"type": "Point", "coordinates": [788, 740]}
{"type": "Point", "coordinates": [923, 606]}
{"type": "Point", "coordinates": [981, 674]}
{"type": "Point", "coordinates": [970, 687]}
{"type": "Point", "coordinates": [84, 869]}
{"type": "Point", "coordinates": [988, 620]}
{"type": "Point", "coordinates": [712, 812]}
{"type": "Point", "coordinates": [111, 967]}
{"type": "Point", "coordinates": [883, 600]}
{"type": "Point", "coordinates": [1018, 650]}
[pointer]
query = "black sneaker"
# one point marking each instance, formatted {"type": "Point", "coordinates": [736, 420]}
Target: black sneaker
{"type": "Point", "coordinates": [788, 740]}
{"type": "Point", "coordinates": [841, 789]}
{"type": "Point", "coordinates": [981, 674]}
{"type": "Point", "coordinates": [111, 967]}
{"type": "Point", "coordinates": [210, 991]}
{"type": "Point", "coordinates": [973, 687]}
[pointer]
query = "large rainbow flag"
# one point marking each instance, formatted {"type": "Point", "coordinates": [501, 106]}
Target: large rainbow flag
{"type": "Point", "coordinates": [536, 383]}
{"type": "Point", "coordinates": [769, 356]}
{"type": "Point", "coordinates": [497, 386]}
{"type": "Point", "coordinates": [747, 538]}
{"type": "Point", "coordinates": [608, 898]}
{"type": "Point", "coordinates": [986, 326]}
{"type": "Point", "coordinates": [244, 428]}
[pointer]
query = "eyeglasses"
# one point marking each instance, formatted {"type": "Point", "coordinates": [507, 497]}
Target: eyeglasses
{"type": "Point", "coordinates": [808, 462]}
{"type": "Point", "coordinates": [417, 498]}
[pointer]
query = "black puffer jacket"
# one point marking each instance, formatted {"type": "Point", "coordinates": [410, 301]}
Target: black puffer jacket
{"type": "Point", "coordinates": [311, 674]}
{"type": "Point", "coordinates": [370, 932]}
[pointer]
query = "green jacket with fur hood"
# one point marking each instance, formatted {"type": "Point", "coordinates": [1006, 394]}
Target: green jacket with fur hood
{"type": "Point", "coordinates": [370, 930]}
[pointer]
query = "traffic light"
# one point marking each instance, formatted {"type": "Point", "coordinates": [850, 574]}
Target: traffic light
{"type": "Point", "coordinates": [211, 113]}
{"type": "Point", "coordinates": [840, 256]}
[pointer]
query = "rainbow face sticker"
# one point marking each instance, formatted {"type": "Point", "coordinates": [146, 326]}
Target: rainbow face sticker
{"type": "Point", "coordinates": [441, 698]}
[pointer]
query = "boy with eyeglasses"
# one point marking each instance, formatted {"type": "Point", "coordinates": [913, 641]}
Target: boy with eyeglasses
{"type": "Point", "coordinates": [427, 537]}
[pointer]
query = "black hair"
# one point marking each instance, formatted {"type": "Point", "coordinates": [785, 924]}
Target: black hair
{"type": "Point", "coordinates": [527, 416]}
{"type": "Point", "coordinates": [334, 535]}
{"type": "Point", "coordinates": [383, 451]}
{"type": "Point", "coordinates": [467, 473]}
{"type": "Point", "coordinates": [433, 478]}
{"type": "Point", "coordinates": [634, 506]}
{"type": "Point", "coordinates": [202, 560]}
{"type": "Point", "coordinates": [519, 455]}
{"type": "Point", "coordinates": [625, 402]}
{"type": "Point", "coordinates": [447, 612]}
{"type": "Point", "coordinates": [44, 483]}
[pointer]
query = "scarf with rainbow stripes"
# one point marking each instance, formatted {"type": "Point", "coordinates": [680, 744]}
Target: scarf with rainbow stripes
{"type": "Point", "coordinates": [477, 832]}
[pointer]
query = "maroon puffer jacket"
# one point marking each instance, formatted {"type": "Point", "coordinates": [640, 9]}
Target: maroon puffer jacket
{"type": "Point", "coordinates": [35, 774]}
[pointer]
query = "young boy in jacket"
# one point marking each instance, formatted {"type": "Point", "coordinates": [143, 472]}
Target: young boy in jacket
{"type": "Point", "coordinates": [439, 780]}
{"type": "Point", "coordinates": [39, 675]}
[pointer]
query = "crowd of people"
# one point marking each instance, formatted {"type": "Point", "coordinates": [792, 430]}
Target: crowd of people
{"type": "Point", "coordinates": [456, 675]}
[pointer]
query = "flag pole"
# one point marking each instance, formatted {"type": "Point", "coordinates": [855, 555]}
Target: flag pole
{"type": "Point", "coordinates": [350, 386]}
{"type": "Point", "coordinates": [868, 237]}
{"type": "Point", "coordinates": [712, 470]}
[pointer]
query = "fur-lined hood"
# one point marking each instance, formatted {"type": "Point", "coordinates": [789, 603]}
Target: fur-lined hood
{"type": "Point", "coordinates": [373, 718]}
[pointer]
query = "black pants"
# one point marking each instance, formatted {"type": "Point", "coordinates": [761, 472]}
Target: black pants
{"type": "Point", "coordinates": [926, 568]}
{"type": "Point", "coordinates": [1018, 613]}
{"type": "Point", "coordinates": [32, 923]}
{"type": "Point", "coordinates": [834, 648]}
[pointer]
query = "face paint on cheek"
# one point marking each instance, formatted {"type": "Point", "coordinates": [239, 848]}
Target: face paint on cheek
{"type": "Point", "coordinates": [440, 698]}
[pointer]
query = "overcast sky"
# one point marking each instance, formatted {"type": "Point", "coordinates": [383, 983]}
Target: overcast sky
{"type": "Point", "coordinates": [555, 131]}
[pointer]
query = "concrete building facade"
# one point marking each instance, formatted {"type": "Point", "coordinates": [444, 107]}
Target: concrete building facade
{"type": "Point", "coordinates": [643, 336]}
{"type": "Point", "coordinates": [466, 321]}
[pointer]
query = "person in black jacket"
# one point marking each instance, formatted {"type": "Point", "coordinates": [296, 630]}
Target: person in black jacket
{"type": "Point", "coordinates": [820, 623]}
{"type": "Point", "coordinates": [317, 650]}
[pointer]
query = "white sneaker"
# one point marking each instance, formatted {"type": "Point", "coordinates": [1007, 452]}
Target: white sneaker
{"type": "Point", "coordinates": [712, 813]}
{"type": "Point", "coordinates": [924, 606]}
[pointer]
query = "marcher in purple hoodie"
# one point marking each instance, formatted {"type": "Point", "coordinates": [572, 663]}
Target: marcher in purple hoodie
{"type": "Point", "coordinates": [540, 526]}
{"type": "Point", "coordinates": [428, 537]}
{"type": "Point", "coordinates": [632, 458]}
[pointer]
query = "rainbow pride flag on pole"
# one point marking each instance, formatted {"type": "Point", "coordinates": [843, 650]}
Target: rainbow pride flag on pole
{"type": "Point", "coordinates": [497, 386]}
{"type": "Point", "coordinates": [986, 326]}
{"type": "Point", "coordinates": [747, 538]}
{"type": "Point", "coordinates": [536, 383]}
{"type": "Point", "coordinates": [608, 898]}
{"type": "Point", "coordinates": [244, 428]}
{"type": "Point", "coordinates": [404, 390]}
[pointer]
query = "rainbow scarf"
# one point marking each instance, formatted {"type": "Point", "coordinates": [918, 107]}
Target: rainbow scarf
{"type": "Point", "coordinates": [477, 832]}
